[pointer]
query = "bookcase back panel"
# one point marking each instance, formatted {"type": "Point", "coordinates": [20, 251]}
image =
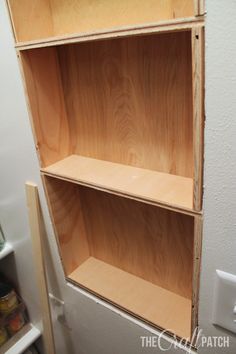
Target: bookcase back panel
{"type": "Point", "coordinates": [130, 101]}
{"type": "Point", "coordinates": [152, 243]}
{"type": "Point", "coordinates": [127, 101]}
{"type": "Point", "coordinates": [48, 18]}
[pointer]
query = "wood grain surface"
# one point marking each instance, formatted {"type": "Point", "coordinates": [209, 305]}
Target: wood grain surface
{"type": "Point", "coordinates": [130, 101]}
{"type": "Point", "coordinates": [150, 302]}
{"type": "Point", "coordinates": [67, 215]}
{"type": "Point", "coordinates": [150, 186]}
{"type": "Point", "coordinates": [47, 18]}
{"type": "Point", "coordinates": [149, 242]}
{"type": "Point", "coordinates": [198, 114]}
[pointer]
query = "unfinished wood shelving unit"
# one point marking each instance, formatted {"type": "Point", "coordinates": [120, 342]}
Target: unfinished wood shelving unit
{"type": "Point", "coordinates": [115, 93]}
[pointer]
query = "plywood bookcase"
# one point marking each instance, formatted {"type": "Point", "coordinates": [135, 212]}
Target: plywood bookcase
{"type": "Point", "coordinates": [115, 94]}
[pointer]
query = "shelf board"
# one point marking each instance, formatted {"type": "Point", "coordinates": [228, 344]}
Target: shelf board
{"type": "Point", "coordinates": [7, 249]}
{"type": "Point", "coordinates": [139, 297]}
{"type": "Point", "coordinates": [146, 185]}
{"type": "Point", "coordinates": [149, 28]}
{"type": "Point", "coordinates": [21, 340]}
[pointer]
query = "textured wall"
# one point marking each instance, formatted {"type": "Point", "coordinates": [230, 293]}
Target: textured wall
{"type": "Point", "coordinates": [219, 242]}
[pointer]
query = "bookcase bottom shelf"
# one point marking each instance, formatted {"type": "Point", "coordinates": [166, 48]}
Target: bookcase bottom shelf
{"type": "Point", "coordinates": [145, 300]}
{"type": "Point", "coordinates": [148, 185]}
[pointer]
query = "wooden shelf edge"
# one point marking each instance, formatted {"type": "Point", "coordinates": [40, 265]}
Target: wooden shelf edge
{"type": "Point", "coordinates": [7, 249]}
{"type": "Point", "coordinates": [177, 209]}
{"type": "Point", "coordinates": [21, 340]}
{"type": "Point", "coordinates": [151, 28]}
{"type": "Point", "coordinates": [184, 304]}
{"type": "Point", "coordinates": [60, 170]}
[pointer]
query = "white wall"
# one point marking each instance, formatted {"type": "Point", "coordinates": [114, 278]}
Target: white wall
{"type": "Point", "coordinates": [219, 241]}
{"type": "Point", "coordinates": [93, 328]}
{"type": "Point", "coordinates": [17, 160]}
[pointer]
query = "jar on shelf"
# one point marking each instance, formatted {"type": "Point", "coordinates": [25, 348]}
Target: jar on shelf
{"type": "Point", "coordinates": [8, 298]}
{"type": "Point", "coordinates": [15, 323]}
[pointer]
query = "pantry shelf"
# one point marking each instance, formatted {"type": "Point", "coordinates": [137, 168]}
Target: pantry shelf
{"type": "Point", "coordinates": [140, 297]}
{"type": "Point", "coordinates": [21, 341]}
{"type": "Point", "coordinates": [133, 182]}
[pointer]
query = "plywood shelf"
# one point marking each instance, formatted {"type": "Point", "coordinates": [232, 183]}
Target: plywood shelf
{"type": "Point", "coordinates": [80, 20]}
{"type": "Point", "coordinates": [153, 303]}
{"type": "Point", "coordinates": [147, 185]}
{"type": "Point", "coordinates": [152, 28]}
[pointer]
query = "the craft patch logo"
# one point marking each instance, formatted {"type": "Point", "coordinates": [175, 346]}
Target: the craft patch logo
{"type": "Point", "coordinates": [198, 340]}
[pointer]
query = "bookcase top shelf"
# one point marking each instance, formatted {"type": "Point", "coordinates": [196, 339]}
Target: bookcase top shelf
{"type": "Point", "coordinates": [138, 183]}
{"type": "Point", "coordinates": [46, 23]}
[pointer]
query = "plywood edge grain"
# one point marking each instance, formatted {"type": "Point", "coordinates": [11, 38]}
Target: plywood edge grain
{"type": "Point", "coordinates": [198, 224]}
{"type": "Point", "coordinates": [199, 7]}
{"type": "Point", "coordinates": [145, 185]}
{"type": "Point", "coordinates": [198, 113]}
{"type": "Point", "coordinates": [142, 299]}
{"type": "Point", "coordinates": [202, 8]}
{"type": "Point", "coordinates": [151, 28]}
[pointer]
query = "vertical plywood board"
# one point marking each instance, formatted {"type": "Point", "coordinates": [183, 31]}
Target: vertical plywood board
{"type": "Point", "coordinates": [130, 101]}
{"type": "Point", "coordinates": [67, 215]}
{"type": "Point", "coordinates": [198, 113]}
{"type": "Point", "coordinates": [202, 9]}
{"type": "Point", "coordinates": [46, 104]}
{"type": "Point", "coordinates": [198, 222]}
{"type": "Point", "coordinates": [199, 7]}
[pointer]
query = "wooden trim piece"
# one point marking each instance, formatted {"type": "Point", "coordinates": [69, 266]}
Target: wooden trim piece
{"type": "Point", "coordinates": [198, 113]}
{"type": "Point", "coordinates": [198, 223]}
{"type": "Point", "coordinates": [152, 28]}
{"type": "Point", "coordinates": [37, 234]}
